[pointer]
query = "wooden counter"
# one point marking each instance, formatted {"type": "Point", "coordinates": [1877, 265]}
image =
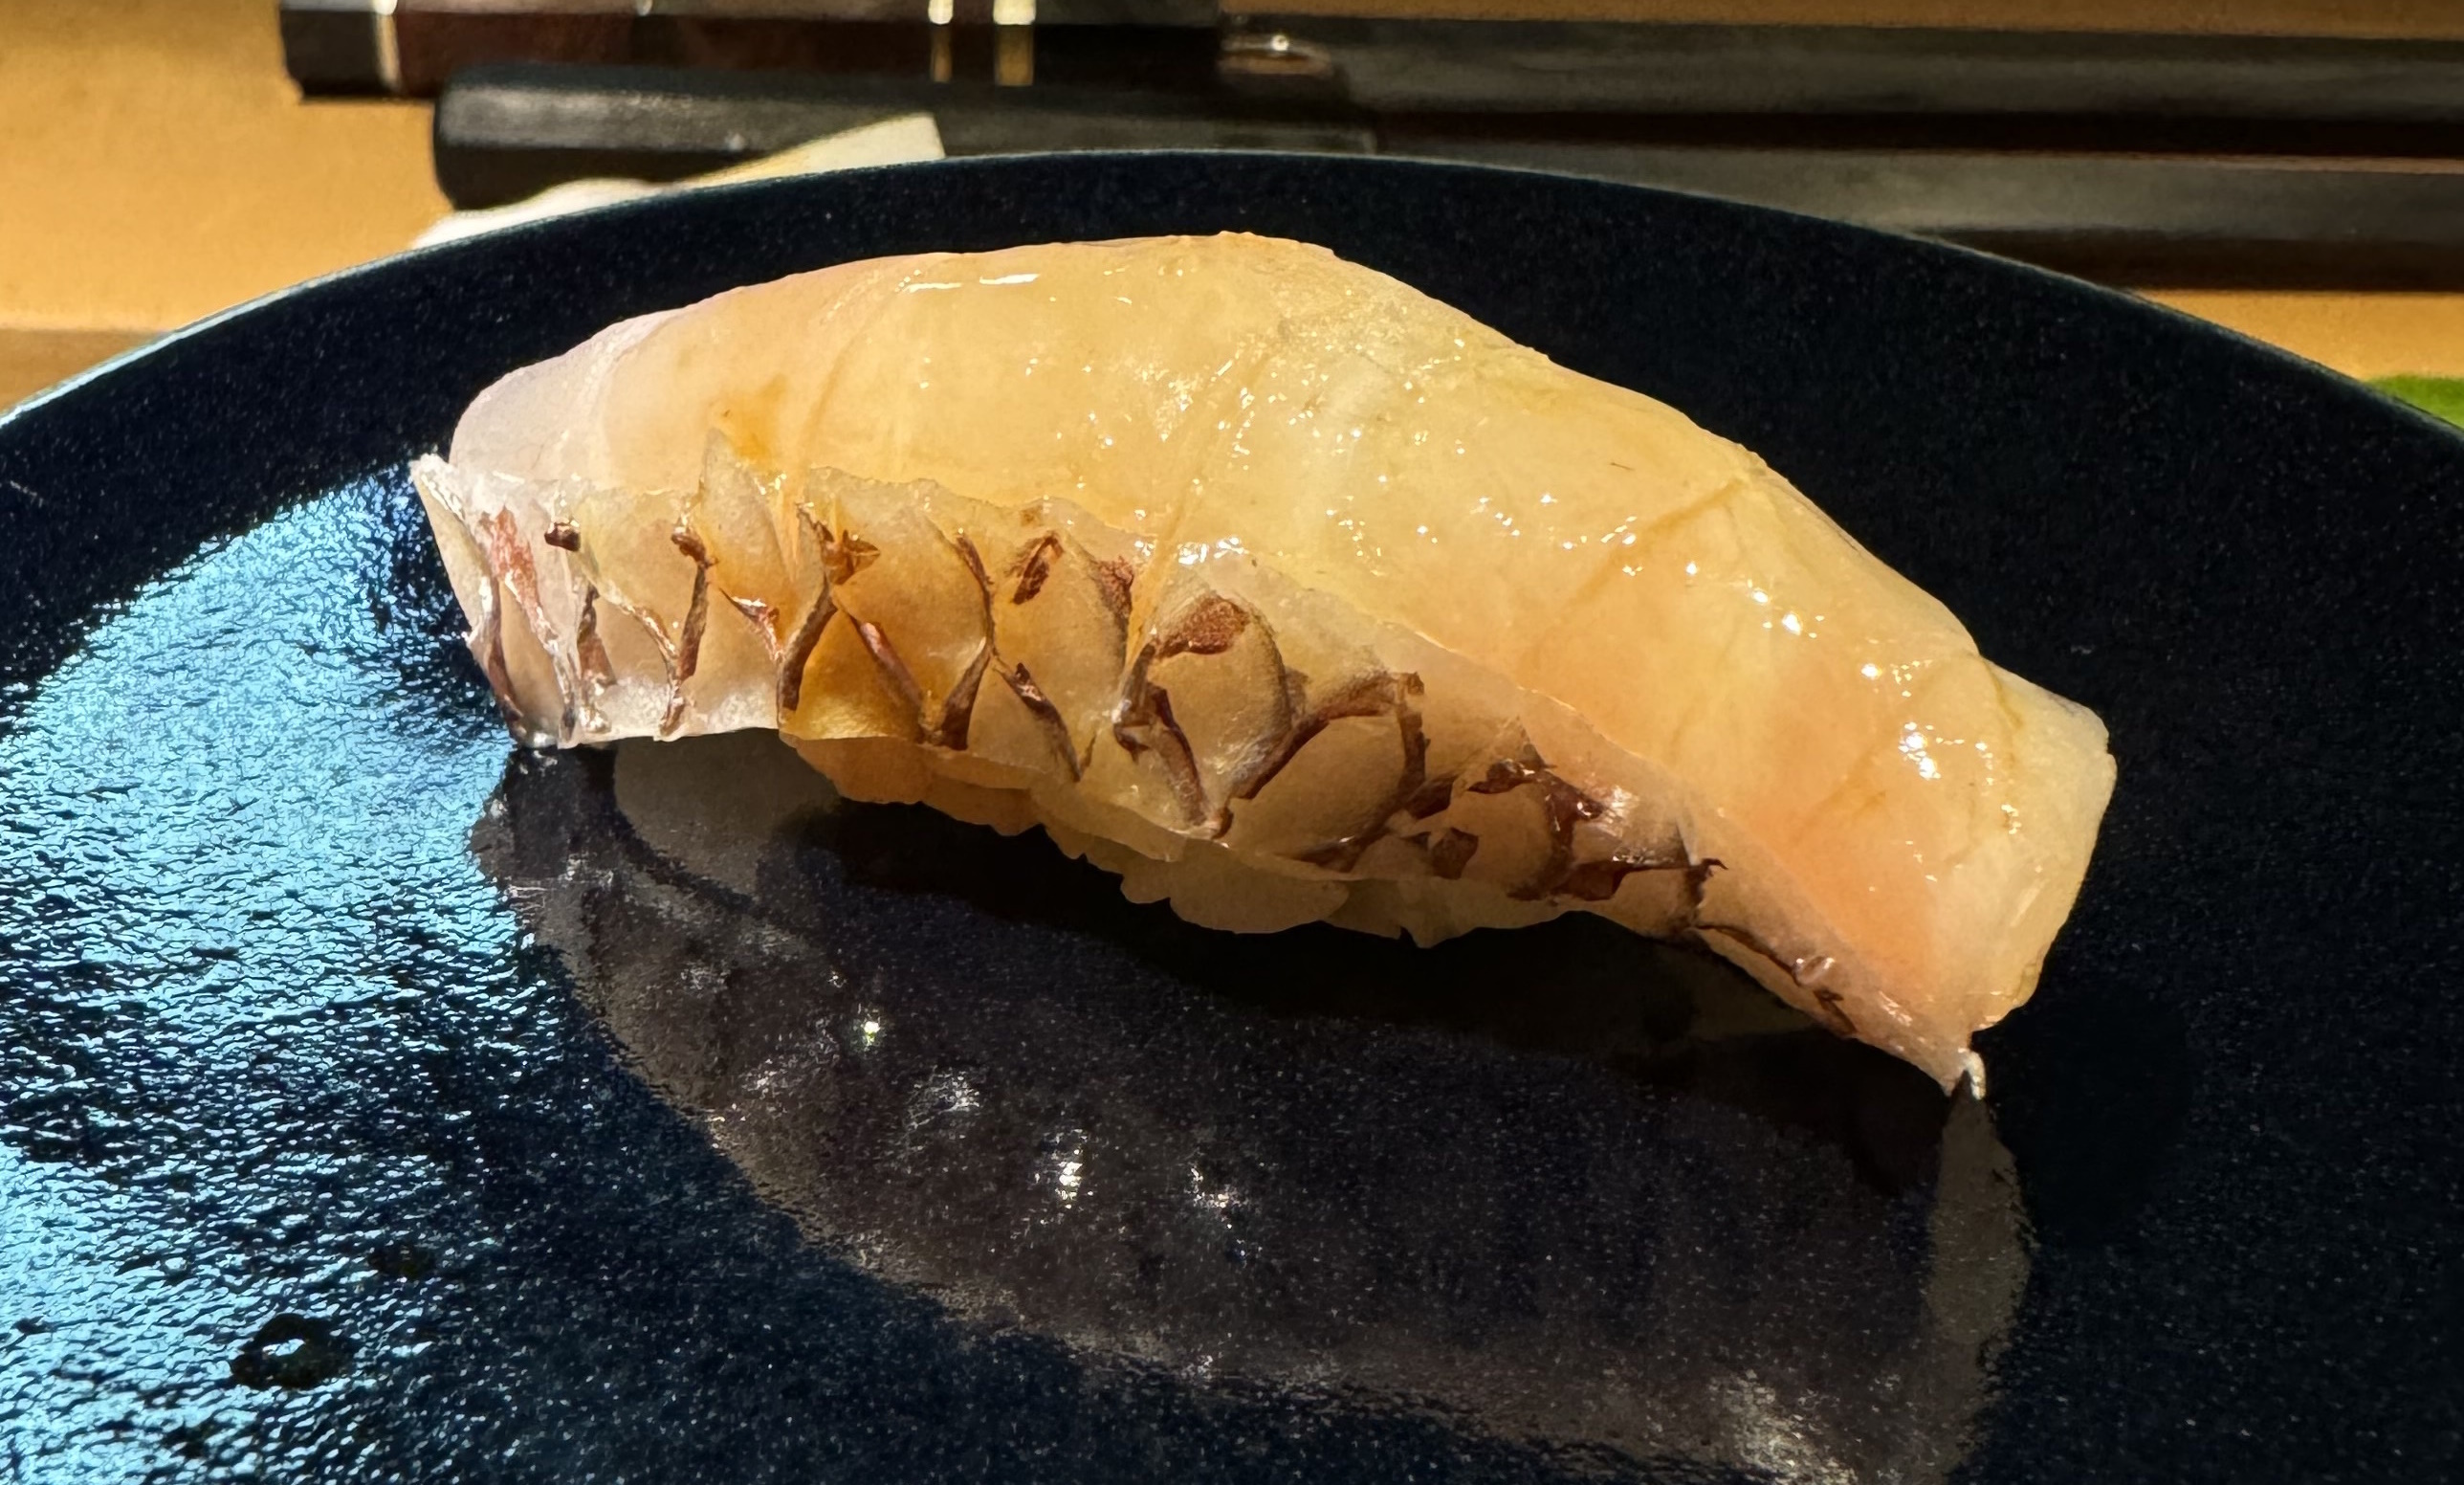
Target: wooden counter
{"type": "Point", "coordinates": [156, 165]}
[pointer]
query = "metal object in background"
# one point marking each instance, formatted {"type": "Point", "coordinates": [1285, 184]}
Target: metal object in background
{"type": "Point", "coordinates": [1547, 67]}
{"type": "Point", "coordinates": [2147, 221]}
{"type": "Point", "coordinates": [341, 46]}
{"type": "Point", "coordinates": [506, 132]}
{"type": "Point", "coordinates": [2143, 159]}
{"type": "Point", "coordinates": [1806, 85]}
{"type": "Point", "coordinates": [411, 47]}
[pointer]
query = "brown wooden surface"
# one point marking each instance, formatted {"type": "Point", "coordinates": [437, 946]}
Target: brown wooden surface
{"type": "Point", "coordinates": [155, 165]}
{"type": "Point", "coordinates": [31, 360]}
{"type": "Point", "coordinates": [2364, 335]}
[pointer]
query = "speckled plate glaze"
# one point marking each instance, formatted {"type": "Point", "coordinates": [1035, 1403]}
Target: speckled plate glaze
{"type": "Point", "coordinates": [378, 1103]}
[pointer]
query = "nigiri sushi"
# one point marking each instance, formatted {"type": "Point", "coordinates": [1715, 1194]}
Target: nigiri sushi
{"type": "Point", "coordinates": [1286, 593]}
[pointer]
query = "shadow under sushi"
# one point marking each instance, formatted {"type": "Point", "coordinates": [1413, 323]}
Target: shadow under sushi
{"type": "Point", "coordinates": [1563, 1183]}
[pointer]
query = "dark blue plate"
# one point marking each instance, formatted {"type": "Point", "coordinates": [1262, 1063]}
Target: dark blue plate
{"type": "Point", "coordinates": [376, 1105]}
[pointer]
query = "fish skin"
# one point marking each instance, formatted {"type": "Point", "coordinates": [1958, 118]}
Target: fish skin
{"type": "Point", "coordinates": [1278, 494]}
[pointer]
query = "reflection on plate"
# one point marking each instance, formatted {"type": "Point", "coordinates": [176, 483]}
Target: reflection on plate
{"type": "Point", "coordinates": [1563, 1184]}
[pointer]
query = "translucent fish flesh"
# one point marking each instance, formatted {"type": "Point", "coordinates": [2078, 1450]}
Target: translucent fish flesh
{"type": "Point", "coordinates": [1286, 594]}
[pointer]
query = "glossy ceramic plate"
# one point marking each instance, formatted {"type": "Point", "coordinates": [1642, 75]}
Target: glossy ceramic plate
{"type": "Point", "coordinates": [380, 1103]}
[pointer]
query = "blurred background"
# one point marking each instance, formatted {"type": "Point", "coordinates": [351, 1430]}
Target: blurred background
{"type": "Point", "coordinates": [2294, 168]}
